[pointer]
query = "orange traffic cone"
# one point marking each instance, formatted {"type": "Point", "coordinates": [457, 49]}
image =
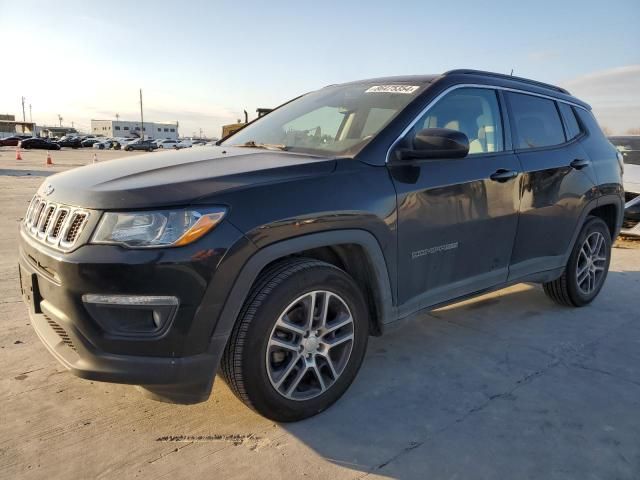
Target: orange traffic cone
{"type": "Point", "coordinates": [49, 161]}
{"type": "Point", "coordinates": [18, 156]}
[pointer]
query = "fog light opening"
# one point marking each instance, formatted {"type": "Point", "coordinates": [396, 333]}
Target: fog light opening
{"type": "Point", "coordinates": [132, 315]}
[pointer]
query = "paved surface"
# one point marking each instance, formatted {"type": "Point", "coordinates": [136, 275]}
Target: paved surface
{"type": "Point", "coordinates": [505, 386]}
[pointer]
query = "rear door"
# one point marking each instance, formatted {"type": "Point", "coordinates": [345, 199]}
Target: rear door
{"type": "Point", "coordinates": [557, 182]}
{"type": "Point", "coordinates": [457, 218]}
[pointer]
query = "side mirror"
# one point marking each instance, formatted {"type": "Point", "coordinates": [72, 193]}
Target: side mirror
{"type": "Point", "coordinates": [437, 143]}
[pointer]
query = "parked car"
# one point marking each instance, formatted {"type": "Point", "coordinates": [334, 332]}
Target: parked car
{"type": "Point", "coordinates": [10, 141]}
{"type": "Point", "coordinates": [279, 252]}
{"type": "Point", "coordinates": [39, 143]}
{"type": "Point", "coordinates": [147, 145]}
{"type": "Point", "coordinates": [71, 142]}
{"type": "Point", "coordinates": [104, 144]}
{"type": "Point", "coordinates": [88, 142]}
{"type": "Point", "coordinates": [166, 143]}
{"type": "Point", "coordinates": [629, 148]}
{"type": "Point", "coordinates": [185, 143]}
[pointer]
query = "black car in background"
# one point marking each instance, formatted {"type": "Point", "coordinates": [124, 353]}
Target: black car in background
{"type": "Point", "coordinates": [146, 145]}
{"type": "Point", "coordinates": [71, 142]}
{"type": "Point", "coordinates": [39, 143]}
{"type": "Point", "coordinates": [12, 141]}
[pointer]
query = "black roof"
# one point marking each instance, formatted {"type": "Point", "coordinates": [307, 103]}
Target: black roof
{"type": "Point", "coordinates": [500, 78]}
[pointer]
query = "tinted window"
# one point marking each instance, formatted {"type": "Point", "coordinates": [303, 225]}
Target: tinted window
{"type": "Point", "coordinates": [472, 111]}
{"type": "Point", "coordinates": [573, 127]}
{"type": "Point", "coordinates": [536, 120]}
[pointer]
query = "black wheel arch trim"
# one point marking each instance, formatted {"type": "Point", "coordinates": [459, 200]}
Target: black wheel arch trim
{"type": "Point", "coordinates": [383, 295]}
{"type": "Point", "coordinates": [609, 199]}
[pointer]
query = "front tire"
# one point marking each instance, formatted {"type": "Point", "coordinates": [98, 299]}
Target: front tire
{"type": "Point", "coordinates": [586, 268]}
{"type": "Point", "coordinates": [299, 340]}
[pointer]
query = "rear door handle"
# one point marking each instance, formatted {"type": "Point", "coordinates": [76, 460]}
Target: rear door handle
{"type": "Point", "coordinates": [579, 163]}
{"type": "Point", "coordinates": [503, 175]}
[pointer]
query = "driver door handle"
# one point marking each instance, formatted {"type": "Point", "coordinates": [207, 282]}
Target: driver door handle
{"type": "Point", "coordinates": [579, 163]}
{"type": "Point", "coordinates": [503, 175]}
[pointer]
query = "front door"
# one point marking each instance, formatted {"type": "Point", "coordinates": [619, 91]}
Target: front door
{"type": "Point", "coordinates": [457, 218]}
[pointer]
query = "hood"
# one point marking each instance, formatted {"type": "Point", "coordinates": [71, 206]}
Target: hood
{"type": "Point", "coordinates": [163, 179]}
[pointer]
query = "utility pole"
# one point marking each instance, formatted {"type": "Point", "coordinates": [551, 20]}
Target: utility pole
{"type": "Point", "coordinates": [60, 119]}
{"type": "Point", "coordinates": [30, 114]}
{"type": "Point", "coordinates": [24, 117]}
{"type": "Point", "coordinates": [200, 133]}
{"type": "Point", "coordinates": [141, 115]}
{"type": "Point", "coordinates": [117, 117]}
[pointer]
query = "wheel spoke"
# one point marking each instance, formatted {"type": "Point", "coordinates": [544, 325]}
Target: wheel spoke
{"type": "Point", "coordinates": [288, 370]}
{"type": "Point", "coordinates": [325, 310]}
{"type": "Point", "coordinates": [338, 326]}
{"type": "Point", "coordinates": [583, 276]}
{"type": "Point", "coordinates": [317, 373]}
{"type": "Point", "coordinates": [278, 342]}
{"type": "Point", "coordinates": [296, 381]}
{"type": "Point", "coordinates": [312, 307]}
{"type": "Point", "coordinates": [286, 324]}
{"type": "Point", "coordinates": [337, 341]}
{"type": "Point", "coordinates": [329, 362]}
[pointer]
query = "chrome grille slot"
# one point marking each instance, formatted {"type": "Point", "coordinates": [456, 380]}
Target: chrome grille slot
{"type": "Point", "coordinates": [58, 225]}
{"type": "Point", "coordinates": [78, 220]}
{"type": "Point", "coordinates": [46, 219]}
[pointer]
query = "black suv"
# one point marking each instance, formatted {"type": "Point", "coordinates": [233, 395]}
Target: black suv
{"type": "Point", "coordinates": [276, 254]}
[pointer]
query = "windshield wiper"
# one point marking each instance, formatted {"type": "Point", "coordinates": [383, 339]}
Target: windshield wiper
{"type": "Point", "coordinates": [266, 146]}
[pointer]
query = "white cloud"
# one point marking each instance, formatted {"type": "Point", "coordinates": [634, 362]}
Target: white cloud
{"type": "Point", "coordinates": [614, 95]}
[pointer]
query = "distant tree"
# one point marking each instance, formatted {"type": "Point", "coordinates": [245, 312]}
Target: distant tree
{"type": "Point", "coordinates": [633, 131]}
{"type": "Point", "coordinates": [607, 131]}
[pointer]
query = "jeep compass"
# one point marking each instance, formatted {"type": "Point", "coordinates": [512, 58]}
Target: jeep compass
{"type": "Point", "coordinates": [273, 256]}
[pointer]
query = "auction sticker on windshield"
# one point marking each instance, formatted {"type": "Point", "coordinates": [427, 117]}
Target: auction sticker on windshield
{"type": "Point", "coordinates": [392, 89]}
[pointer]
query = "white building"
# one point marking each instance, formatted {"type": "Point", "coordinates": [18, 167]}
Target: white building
{"type": "Point", "coordinates": [123, 128]}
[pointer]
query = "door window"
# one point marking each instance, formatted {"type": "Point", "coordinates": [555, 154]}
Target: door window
{"type": "Point", "coordinates": [472, 111]}
{"type": "Point", "coordinates": [536, 120]}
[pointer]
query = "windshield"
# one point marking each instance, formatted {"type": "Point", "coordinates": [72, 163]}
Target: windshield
{"type": "Point", "coordinates": [336, 120]}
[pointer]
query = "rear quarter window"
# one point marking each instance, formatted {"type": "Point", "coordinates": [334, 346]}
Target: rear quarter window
{"type": "Point", "coordinates": [536, 121]}
{"type": "Point", "coordinates": [573, 127]}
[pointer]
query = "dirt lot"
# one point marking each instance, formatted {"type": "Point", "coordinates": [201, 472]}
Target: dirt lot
{"type": "Point", "coordinates": [507, 385]}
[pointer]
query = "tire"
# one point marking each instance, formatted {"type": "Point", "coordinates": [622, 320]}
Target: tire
{"type": "Point", "coordinates": [263, 375]}
{"type": "Point", "coordinates": [572, 289]}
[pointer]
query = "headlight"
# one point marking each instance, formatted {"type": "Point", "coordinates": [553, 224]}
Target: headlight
{"type": "Point", "coordinates": [160, 228]}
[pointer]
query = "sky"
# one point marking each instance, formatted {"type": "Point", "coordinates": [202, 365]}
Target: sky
{"type": "Point", "coordinates": [203, 62]}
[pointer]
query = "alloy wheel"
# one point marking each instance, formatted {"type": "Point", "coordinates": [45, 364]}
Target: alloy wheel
{"type": "Point", "coordinates": [310, 345]}
{"type": "Point", "coordinates": [592, 261]}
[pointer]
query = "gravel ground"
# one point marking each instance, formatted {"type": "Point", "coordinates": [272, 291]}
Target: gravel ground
{"type": "Point", "coordinates": [507, 385]}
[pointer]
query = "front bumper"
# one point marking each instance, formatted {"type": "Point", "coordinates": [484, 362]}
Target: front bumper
{"type": "Point", "coordinates": [177, 366]}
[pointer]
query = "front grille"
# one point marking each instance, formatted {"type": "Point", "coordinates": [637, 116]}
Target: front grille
{"type": "Point", "coordinates": [57, 225]}
{"type": "Point", "coordinates": [74, 228]}
{"type": "Point", "coordinates": [62, 333]}
{"type": "Point", "coordinates": [628, 196]}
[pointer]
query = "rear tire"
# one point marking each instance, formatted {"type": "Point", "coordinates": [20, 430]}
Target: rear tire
{"type": "Point", "coordinates": [587, 267]}
{"type": "Point", "coordinates": [299, 340]}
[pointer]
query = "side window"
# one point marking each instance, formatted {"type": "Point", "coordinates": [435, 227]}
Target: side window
{"type": "Point", "coordinates": [472, 111]}
{"type": "Point", "coordinates": [536, 120]}
{"type": "Point", "coordinates": [573, 127]}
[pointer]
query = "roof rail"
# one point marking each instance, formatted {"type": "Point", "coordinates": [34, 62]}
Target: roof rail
{"type": "Point", "coordinates": [466, 71]}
